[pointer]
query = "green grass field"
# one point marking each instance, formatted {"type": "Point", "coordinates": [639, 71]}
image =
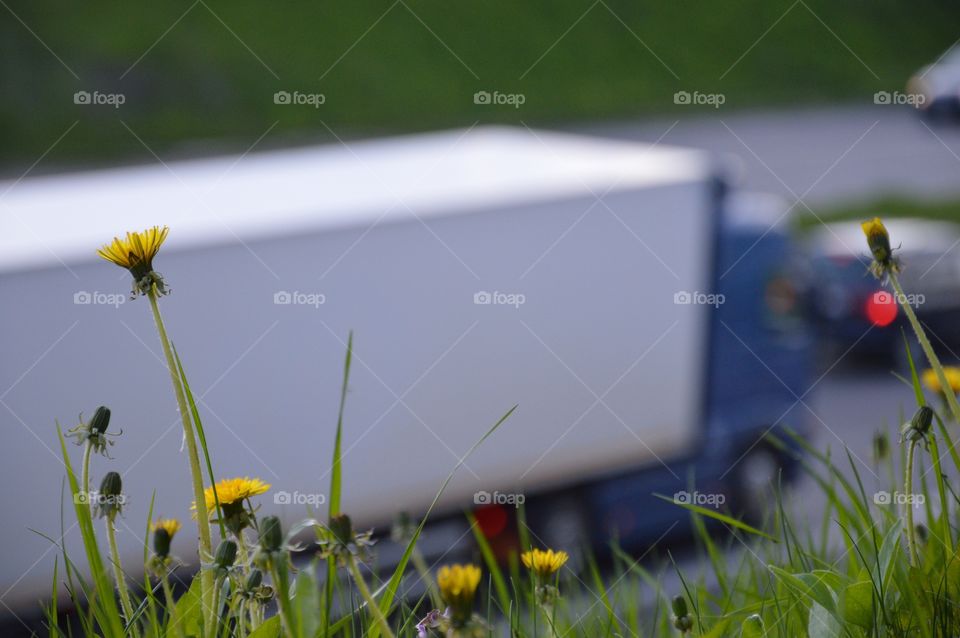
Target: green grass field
{"type": "Point", "coordinates": [887, 208]}
{"type": "Point", "coordinates": [198, 77]}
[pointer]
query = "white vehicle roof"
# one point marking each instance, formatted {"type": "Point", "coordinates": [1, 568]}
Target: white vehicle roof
{"type": "Point", "coordinates": [844, 239]}
{"type": "Point", "coordinates": [48, 220]}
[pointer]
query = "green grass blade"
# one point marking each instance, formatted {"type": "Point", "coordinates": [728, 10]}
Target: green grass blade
{"type": "Point", "coordinates": [717, 516]}
{"type": "Point", "coordinates": [336, 484]}
{"type": "Point", "coordinates": [202, 437]}
{"type": "Point", "coordinates": [499, 583]}
{"type": "Point", "coordinates": [386, 603]}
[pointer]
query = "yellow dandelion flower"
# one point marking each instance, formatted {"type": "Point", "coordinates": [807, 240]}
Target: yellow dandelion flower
{"type": "Point", "coordinates": [458, 585]}
{"type": "Point", "coordinates": [170, 525]}
{"type": "Point", "coordinates": [544, 563]}
{"type": "Point", "coordinates": [952, 373]}
{"type": "Point", "coordinates": [234, 490]}
{"type": "Point", "coordinates": [137, 250]}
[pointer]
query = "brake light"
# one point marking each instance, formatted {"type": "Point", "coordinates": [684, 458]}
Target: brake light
{"type": "Point", "coordinates": [492, 520]}
{"type": "Point", "coordinates": [881, 308]}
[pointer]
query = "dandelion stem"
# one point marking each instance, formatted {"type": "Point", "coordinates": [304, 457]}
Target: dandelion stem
{"type": "Point", "coordinates": [927, 348]}
{"type": "Point", "coordinates": [908, 500]}
{"type": "Point", "coordinates": [365, 592]}
{"type": "Point", "coordinates": [203, 521]}
{"type": "Point", "coordinates": [118, 571]}
{"type": "Point", "coordinates": [85, 472]}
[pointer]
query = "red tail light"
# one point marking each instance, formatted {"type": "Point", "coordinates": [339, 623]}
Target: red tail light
{"type": "Point", "coordinates": [492, 520]}
{"type": "Point", "coordinates": [881, 308]}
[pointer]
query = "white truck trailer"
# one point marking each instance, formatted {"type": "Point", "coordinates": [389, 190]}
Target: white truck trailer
{"type": "Point", "coordinates": [478, 269]}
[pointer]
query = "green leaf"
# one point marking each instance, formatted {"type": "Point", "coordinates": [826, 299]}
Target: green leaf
{"type": "Point", "coordinates": [269, 629]}
{"type": "Point", "coordinates": [306, 603]}
{"type": "Point", "coordinates": [718, 630]}
{"type": "Point", "coordinates": [189, 612]}
{"type": "Point", "coordinates": [856, 604]}
{"type": "Point", "coordinates": [822, 623]}
{"type": "Point", "coordinates": [717, 516]}
{"type": "Point", "coordinates": [808, 586]}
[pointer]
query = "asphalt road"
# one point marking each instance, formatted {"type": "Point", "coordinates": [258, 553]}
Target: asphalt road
{"type": "Point", "coordinates": [822, 155]}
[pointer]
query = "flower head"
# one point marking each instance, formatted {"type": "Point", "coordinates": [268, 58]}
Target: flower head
{"type": "Point", "coordinates": [233, 494]}
{"type": "Point", "coordinates": [169, 525]}
{"type": "Point", "coordinates": [233, 490]}
{"type": "Point", "coordinates": [932, 381]}
{"type": "Point", "coordinates": [878, 241]}
{"type": "Point", "coordinates": [458, 586]}
{"type": "Point", "coordinates": [135, 253]}
{"type": "Point", "coordinates": [543, 563]}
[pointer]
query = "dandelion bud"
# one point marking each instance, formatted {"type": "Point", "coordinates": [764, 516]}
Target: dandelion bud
{"type": "Point", "coordinates": [161, 542]}
{"type": "Point", "coordinates": [342, 528]}
{"type": "Point", "coordinates": [111, 485]}
{"type": "Point", "coordinates": [109, 500]}
{"type": "Point", "coordinates": [681, 620]}
{"type": "Point", "coordinates": [679, 605]}
{"type": "Point", "coordinates": [877, 239]}
{"type": "Point", "coordinates": [254, 580]}
{"type": "Point", "coordinates": [881, 446]}
{"type": "Point", "coordinates": [100, 420]}
{"type": "Point", "coordinates": [271, 534]}
{"type": "Point", "coordinates": [922, 419]}
{"type": "Point", "coordinates": [164, 530]}
{"type": "Point", "coordinates": [226, 554]}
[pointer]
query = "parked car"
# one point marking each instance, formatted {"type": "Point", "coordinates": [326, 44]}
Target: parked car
{"type": "Point", "coordinates": [643, 318]}
{"type": "Point", "coordinates": [853, 311]}
{"type": "Point", "coordinates": [935, 89]}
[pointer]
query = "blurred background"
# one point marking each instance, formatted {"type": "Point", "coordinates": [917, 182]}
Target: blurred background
{"type": "Point", "coordinates": [803, 117]}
